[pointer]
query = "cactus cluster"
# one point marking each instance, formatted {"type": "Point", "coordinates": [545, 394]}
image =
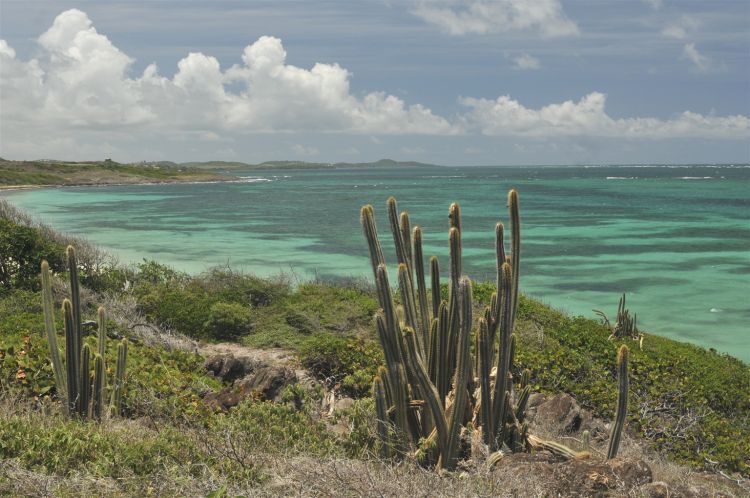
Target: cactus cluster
{"type": "Point", "coordinates": [84, 393]}
{"type": "Point", "coordinates": [432, 388]}
{"type": "Point", "coordinates": [625, 326]}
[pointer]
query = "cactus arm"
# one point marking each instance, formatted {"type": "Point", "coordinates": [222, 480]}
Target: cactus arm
{"type": "Point", "coordinates": [405, 227]}
{"type": "Point", "coordinates": [515, 229]}
{"type": "Point", "coordinates": [435, 285]}
{"type": "Point", "coordinates": [381, 409]}
{"type": "Point", "coordinates": [49, 327]}
{"type": "Point", "coordinates": [622, 402]}
{"type": "Point", "coordinates": [424, 311]}
{"type": "Point", "coordinates": [367, 219]}
{"type": "Point", "coordinates": [418, 371]}
{"type": "Point", "coordinates": [98, 394]}
{"type": "Point", "coordinates": [398, 241]}
{"type": "Point", "coordinates": [483, 352]}
{"type": "Point", "coordinates": [102, 331]}
{"type": "Point", "coordinates": [72, 357]}
{"type": "Point", "coordinates": [119, 381]}
{"type": "Point", "coordinates": [503, 357]}
{"type": "Point", "coordinates": [84, 389]}
{"type": "Point", "coordinates": [75, 297]}
{"type": "Point", "coordinates": [410, 308]}
{"type": "Point", "coordinates": [442, 373]}
{"type": "Point", "coordinates": [463, 371]}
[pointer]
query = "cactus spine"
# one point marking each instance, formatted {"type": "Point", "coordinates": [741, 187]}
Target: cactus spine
{"type": "Point", "coordinates": [623, 385]}
{"type": "Point", "coordinates": [74, 382]}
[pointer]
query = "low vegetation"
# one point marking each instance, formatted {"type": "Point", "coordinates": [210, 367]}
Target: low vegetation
{"type": "Point", "coordinates": [49, 173]}
{"type": "Point", "coordinates": [687, 403]}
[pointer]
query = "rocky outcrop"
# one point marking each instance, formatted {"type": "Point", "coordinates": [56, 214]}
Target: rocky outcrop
{"type": "Point", "coordinates": [250, 378]}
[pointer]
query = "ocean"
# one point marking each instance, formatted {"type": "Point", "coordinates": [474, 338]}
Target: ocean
{"type": "Point", "coordinates": [675, 239]}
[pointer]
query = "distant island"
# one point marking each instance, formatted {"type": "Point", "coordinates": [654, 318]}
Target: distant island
{"type": "Point", "coordinates": [50, 172]}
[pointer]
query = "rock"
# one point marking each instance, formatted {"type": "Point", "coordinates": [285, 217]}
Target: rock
{"type": "Point", "coordinates": [266, 382]}
{"type": "Point", "coordinates": [251, 378]}
{"type": "Point", "coordinates": [228, 368]}
{"type": "Point", "coordinates": [559, 414]}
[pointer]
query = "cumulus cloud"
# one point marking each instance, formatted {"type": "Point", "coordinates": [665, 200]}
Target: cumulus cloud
{"type": "Point", "coordinates": [526, 62]}
{"type": "Point", "coordinates": [79, 96]}
{"type": "Point", "coordinates": [83, 80]}
{"type": "Point", "coordinates": [587, 117]}
{"type": "Point", "coordinates": [463, 17]}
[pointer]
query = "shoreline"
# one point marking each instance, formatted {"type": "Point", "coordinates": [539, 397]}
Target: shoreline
{"type": "Point", "coordinates": [10, 188]}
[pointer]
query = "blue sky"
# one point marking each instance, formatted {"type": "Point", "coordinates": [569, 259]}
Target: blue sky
{"type": "Point", "coordinates": [442, 81]}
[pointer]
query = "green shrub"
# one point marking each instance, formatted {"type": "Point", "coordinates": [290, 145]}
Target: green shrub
{"type": "Point", "coordinates": [228, 321]}
{"type": "Point", "coordinates": [350, 362]}
{"type": "Point", "coordinates": [22, 250]}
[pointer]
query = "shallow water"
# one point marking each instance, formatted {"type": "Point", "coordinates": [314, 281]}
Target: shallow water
{"type": "Point", "coordinates": [676, 239]}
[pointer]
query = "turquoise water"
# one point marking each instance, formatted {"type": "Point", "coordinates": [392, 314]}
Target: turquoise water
{"type": "Point", "coordinates": [676, 239]}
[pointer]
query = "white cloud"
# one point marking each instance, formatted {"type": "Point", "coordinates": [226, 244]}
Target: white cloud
{"type": "Point", "coordinates": [587, 117]}
{"type": "Point", "coordinates": [463, 17]}
{"type": "Point", "coordinates": [702, 63]}
{"type": "Point", "coordinates": [655, 4]}
{"type": "Point", "coordinates": [79, 96]}
{"type": "Point", "coordinates": [82, 80]}
{"type": "Point", "coordinates": [526, 62]}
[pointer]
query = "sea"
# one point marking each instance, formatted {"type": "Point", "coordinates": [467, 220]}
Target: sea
{"type": "Point", "coordinates": [675, 239]}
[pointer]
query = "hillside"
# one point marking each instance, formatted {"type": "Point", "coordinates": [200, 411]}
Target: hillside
{"type": "Point", "coordinates": [239, 385]}
{"type": "Point", "coordinates": [107, 172]}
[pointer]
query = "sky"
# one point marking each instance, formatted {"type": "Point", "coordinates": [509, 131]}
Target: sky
{"type": "Point", "coordinates": [454, 82]}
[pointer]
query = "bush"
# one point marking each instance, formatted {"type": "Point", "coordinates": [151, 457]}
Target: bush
{"type": "Point", "coordinates": [350, 362]}
{"type": "Point", "coordinates": [228, 321]}
{"type": "Point", "coordinates": [22, 250]}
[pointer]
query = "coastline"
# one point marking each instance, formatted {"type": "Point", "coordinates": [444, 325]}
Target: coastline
{"type": "Point", "coordinates": [230, 179]}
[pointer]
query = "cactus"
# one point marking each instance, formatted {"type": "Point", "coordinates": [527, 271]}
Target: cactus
{"type": "Point", "coordinates": [100, 382]}
{"type": "Point", "coordinates": [431, 387]}
{"type": "Point", "coordinates": [381, 409]}
{"type": "Point", "coordinates": [429, 367]}
{"type": "Point", "coordinates": [74, 382]}
{"type": "Point", "coordinates": [623, 385]}
{"type": "Point", "coordinates": [119, 380]}
{"type": "Point", "coordinates": [625, 326]}
{"type": "Point", "coordinates": [49, 327]}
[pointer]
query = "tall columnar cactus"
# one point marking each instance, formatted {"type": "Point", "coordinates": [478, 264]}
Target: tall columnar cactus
{"type": "Point", "coordinates": [623, 385]}
{"type": "Point", "coordinates": [119, 380]}
{"type": "Point", "coordinates": [74, 381]}
{"type": "Point", "coordinates": [428, 386]}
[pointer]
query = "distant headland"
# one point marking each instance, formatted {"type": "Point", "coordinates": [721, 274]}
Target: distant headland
{"type": "Point", "coordinates": [51, 172]}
